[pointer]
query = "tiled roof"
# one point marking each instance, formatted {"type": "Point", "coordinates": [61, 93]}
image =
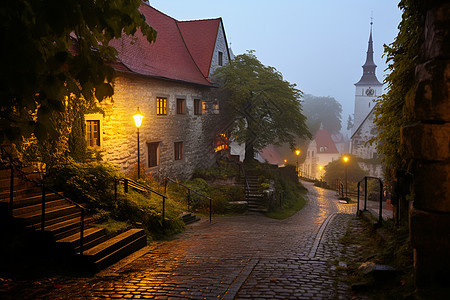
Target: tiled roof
{"type": "Point", "coordinates": [323, 139]}
{"type": "Point", "coordinates": [168, 57]}
{"type": "Point", "coordinates": [200, 37]}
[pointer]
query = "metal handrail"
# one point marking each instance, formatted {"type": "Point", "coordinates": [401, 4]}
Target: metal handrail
{"type": "Point", "coordinates": [167, 179]}
{"type": "Point", "coordinates": [380, 212]}
{"type": "Point", "coordinates": [23, 175]}
{"type": "Point", "coordinates": [127, 182]}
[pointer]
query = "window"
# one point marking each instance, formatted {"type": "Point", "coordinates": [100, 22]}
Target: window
{"type": "Point", "coordinates": [153, 154]}
{"type": "Point", "coordinates": [93, 133]}
{"type": "Point", "coordinates": [181, 106]}
{"type": "Point", "coordinates": [197, 107]}
{"type": "Point", "coordinates": [220, 58]}
{"type": "Point", "coordinates": [178, 146]}
{"type": "Point", "coordinates": [161, 106]}
{"type": "Point", "coordinates": [312, 154]}
{"type": "Point", "coordinates": [94, 130]}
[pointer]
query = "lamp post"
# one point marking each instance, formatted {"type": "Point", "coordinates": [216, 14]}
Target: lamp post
{"type": "Point", "coordinates": [346, 159]}
{"type": "Point", "coordinates": [297, 152]}
{"type": "Point", "coordinates": [138, 121]}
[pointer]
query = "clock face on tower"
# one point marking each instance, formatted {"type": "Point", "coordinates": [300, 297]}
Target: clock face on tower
{"type": "Point", "coordinates": [370, 91]}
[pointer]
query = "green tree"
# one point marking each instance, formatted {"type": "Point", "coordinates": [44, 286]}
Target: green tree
{"type": "Point", "coordinates": [336, 170]}
{"type": "Point", "coordinates": [54, 53]}
{"type": "Point", "coordinates": [322, 110]}
{"type": "Point", "coordinates": [391, 115]}
{"type": "Point", "coordinates": [266, 109]}
{"type": "Point", "coordinates": [350, 122]}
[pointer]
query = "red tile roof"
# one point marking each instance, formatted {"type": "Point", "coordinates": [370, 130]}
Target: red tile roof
{"type": "Point", "coordinates": [200, 37]}
{"type": "Point", "coordinates": [323, 139]}
{"type": "Point", "coordinates": [169, 56]}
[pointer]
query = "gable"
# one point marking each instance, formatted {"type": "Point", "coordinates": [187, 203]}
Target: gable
{"type": "Point", "coordinates": [167, 58]}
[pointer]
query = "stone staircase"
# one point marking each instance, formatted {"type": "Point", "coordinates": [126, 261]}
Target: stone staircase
{"type": "Point", "coordinates": [63, 224]}
{"type": "Point", "coordinates": [189, 218]}
{"type": "Point", "coordinates": [254, 198]}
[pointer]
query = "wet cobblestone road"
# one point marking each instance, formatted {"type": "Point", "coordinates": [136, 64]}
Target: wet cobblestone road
{"type": "Point", "coordinates": [243, 257]}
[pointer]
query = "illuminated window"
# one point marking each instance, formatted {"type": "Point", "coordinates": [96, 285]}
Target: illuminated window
{"type": "Point", "coordinates": [161, 106]}
{"type": "Point", "coordinates": [197, 107]}
{"type": "Point", "coordinates": [93, 130]}
{"type": "Point", "coordinates": [93, 133]}
{"type": "Point", "coordinates": [220, 58]}
{"type": "Point", "coordinates": [178, 146]}
{"type": "Point", "coordinates": [221, 142]}
{"type": "Point", "coordinates": [181, 106]}
{"type": "Point", "coordinates": [153, 154]}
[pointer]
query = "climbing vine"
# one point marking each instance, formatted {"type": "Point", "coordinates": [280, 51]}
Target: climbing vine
{"type": "Point", "coordinates": [391, 112]}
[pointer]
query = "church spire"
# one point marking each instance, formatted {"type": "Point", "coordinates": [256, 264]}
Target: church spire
{"type": "Point", "coordinates": [369, 77]}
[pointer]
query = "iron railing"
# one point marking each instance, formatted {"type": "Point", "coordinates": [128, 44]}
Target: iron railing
{"type": "Point", "coordinates": [168, 179]}
{"type": "Point", "coordinates": [45, 188]}
{"type": "Point", "coordinates": [129, 183]}
{"type": "Point", "coordinates": [380, 212]}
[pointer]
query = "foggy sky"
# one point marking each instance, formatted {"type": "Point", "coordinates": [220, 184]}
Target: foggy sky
{"type": "Point", "coordinates": [320, 45]}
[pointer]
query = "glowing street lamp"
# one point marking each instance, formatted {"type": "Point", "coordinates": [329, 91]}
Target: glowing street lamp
{"type": "Point", "coordinates": [346, 159]}
{"type": "Point", "coordinates": [138, 121]}
{"type": "Point", "coordinates": [285, 161]}
{"type": "Point", "coordinates": [297, 152]}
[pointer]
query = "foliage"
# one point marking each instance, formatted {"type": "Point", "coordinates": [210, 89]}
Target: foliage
{"type": "Point", "coordinates": [336, 170]}
{"type": "Point", "coordinates": [266, 108]}
{"type": "Point", "coordinates": [391, 115]}
{"type": "Point", "coordinates": [90, 183]}
{"type": "Point", "coordinates": [322, 110]}
{"type": "Point", "coordinates": [93, 184]}
{"type": "Point", "coordinates": [223, 170]}
{"type": "Point", "coordinates": [56, 54]}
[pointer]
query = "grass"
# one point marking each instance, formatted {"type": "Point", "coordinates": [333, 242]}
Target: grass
{"type": "Point", "coordinates": [392, 248]}
{"type": "Point", "coordinates": [288, 211]}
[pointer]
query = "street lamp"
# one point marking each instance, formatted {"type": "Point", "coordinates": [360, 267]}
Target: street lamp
{"type": "Point", "coordinates": [346, 159]}
{"type": "Point", "coordinates": [298, 153]}
{"type": "Point", "coordinates": [285, 161]}
{"type": "Point", "coordinates": [138, 121]}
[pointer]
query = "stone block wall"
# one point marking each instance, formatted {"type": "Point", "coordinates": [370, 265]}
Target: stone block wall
{"type": "Point", "coordinates": [427, 143]}
{"type": "Point", "coordinates": [119, 143]}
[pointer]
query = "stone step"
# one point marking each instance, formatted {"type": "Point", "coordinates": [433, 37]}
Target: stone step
{"type": "Point", "coordinates": [122, 252]}
{"type": "Point", "coordinates": [34, 217]}
{"type": "Point", "coordinates": [33, 199]}
{"type": "Point", "coordinates": [37, 207]}
{"type": "Point", "coordinates": [97, 253]}
{"type": "Point", "coordinates": [92, 236]}
{"type": "Point", "coordinates": [68, 227]}
{"type": "Point", "coordinates": [189, 218]}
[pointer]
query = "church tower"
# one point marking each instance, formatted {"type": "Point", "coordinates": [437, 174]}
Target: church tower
{"type": "Point", "coordinates": [367, 88]}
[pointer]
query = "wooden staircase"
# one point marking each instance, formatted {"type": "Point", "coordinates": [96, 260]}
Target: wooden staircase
{"type": "Point", "coordinates": [254, 198]}
{"type": "Point", "coordinates": [62, 222]}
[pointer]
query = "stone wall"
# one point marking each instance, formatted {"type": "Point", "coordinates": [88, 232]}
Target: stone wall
{"type": "Point", "coordinates": [427, 143]}
{"type": "Point", "coordinates": [119, 143]}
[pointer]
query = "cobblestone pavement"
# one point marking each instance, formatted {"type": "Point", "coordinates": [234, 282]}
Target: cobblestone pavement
{"type": "Point", "coordinates": [241, 257]}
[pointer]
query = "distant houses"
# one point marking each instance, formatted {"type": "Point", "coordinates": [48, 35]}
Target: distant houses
{"type": "Point", "coordinates": [321, 151]}
{"type": "Point", "coordinates": [171, 83]}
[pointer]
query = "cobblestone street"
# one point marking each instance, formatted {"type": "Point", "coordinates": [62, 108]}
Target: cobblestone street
{"type": "Point", "coordinates": [241, 257]}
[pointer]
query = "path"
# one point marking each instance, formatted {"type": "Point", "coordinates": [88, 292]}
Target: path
{"type": "Point", "coordinates": [232, 258]}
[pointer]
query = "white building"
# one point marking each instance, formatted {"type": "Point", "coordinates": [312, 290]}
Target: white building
{"type": "Point", "coordinates": [367, 89]}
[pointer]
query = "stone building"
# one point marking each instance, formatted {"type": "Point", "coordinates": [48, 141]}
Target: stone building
{"type": "Point", "coordinates": [170, 81]}
{"type": "Point", "coordinates": [367, 89]}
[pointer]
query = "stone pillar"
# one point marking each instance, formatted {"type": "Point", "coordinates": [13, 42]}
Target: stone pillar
{"type": "Point", "coordinates": [427, 143]}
